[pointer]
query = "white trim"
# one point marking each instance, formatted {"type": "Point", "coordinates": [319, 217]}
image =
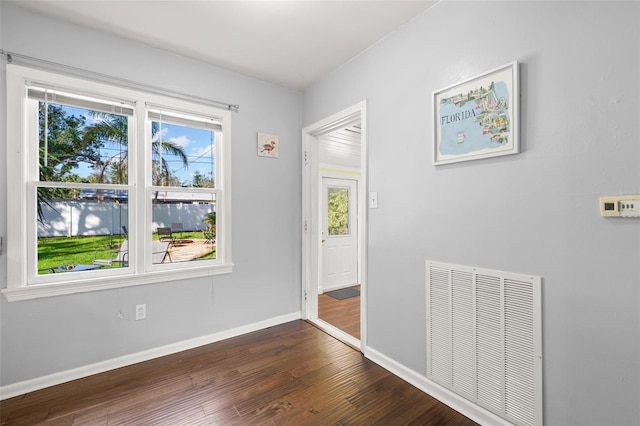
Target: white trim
{"type": "Point", "coordinates": [31, 385]}
{"type": "Point", "coordinates": [310, 209]}
{"type": "Point", "coordinates": [121, 281]}
{"type": "Point", "coordinates": [22, 282]}
{"type": "Point", "coordinates": [445, 396]}
{"type": "Point", "coordinates": [337, 333]}
{"type": "Point", "coordinates": [338, 287]}
{"type": "Point", "coordinates": [456, 402]}
{"type": "Point", "coordinates": [363, 222]}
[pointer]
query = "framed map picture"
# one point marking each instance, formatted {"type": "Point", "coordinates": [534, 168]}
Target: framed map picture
{"type": "Point", "coordinates": [477, 118]}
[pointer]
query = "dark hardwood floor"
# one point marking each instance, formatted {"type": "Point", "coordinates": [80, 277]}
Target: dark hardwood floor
{"type": "Point", "coordinates": [291, 374]}
{"type": "Point", "coordinates": [343, 314]}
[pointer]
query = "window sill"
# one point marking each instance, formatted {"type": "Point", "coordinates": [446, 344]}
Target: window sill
{"type": "Point", "coordinates": [59, 289]}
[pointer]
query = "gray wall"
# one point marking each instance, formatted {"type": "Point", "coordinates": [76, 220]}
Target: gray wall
{"type": "Point", "coordinates": [534, 213]}
{"type": "Point", "coordinates": [44, 336]}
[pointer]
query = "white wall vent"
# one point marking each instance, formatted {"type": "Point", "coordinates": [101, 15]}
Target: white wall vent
{"type": "Point", "coordinates": [484, 338]}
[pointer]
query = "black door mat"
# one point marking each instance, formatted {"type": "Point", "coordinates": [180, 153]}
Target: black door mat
{"type": "Point", "coordinates": [344, 293]}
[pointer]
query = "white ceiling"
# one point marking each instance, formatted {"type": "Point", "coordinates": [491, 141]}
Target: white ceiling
{"type": "Point", "coordinates": [290, 43]}
{"type": "Point", "coordinates": [342, 147]}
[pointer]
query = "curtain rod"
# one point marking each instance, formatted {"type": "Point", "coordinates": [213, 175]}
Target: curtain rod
{"type": "Point", "coordinates": [104, 78]}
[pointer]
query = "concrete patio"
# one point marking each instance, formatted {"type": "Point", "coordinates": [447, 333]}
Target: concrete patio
{"type": "Point", "coordinates": [184, 250]}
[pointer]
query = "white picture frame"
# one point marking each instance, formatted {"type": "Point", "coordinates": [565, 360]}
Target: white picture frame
{"type": "Point", "coordinates": [268, 145]}
{"type": "Point", "coordinates": [477, 118]}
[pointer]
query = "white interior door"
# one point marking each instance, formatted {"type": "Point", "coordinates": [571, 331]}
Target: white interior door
{"type": "Point", "coordinates": [339, 234]}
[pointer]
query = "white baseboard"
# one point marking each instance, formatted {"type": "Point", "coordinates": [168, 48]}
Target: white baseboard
{"type": "Point", "coordinates": [458, 403]}
{"type": "Point", "coordinates": [336, 332]}
{"type": "Point", "coordinates": [338, 287]}
{"type": "Point", "coordinates": [31, 385]}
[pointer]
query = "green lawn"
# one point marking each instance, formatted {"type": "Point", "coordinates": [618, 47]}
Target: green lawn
{"type": "Point", "coordinates": [58, 251]}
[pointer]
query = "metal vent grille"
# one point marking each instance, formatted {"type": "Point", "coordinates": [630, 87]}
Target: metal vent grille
{"type": "Point", "coordinates": [484, 332]}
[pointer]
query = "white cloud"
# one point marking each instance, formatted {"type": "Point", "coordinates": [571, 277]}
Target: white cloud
{"type": "Point", "coordinates": [162, 133]}
{"type": "Point", "coordinates": [94, 119]}
{"type": "Point", "coordinates": [181, 141]}
{"type": "Point", "coordinates": [202, 150]}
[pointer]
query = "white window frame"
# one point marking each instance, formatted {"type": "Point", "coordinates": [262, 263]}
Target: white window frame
{"type": "Point", "coordinates": [23, 282]}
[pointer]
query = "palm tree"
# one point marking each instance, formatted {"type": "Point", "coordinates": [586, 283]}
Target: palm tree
{"type": "Point", "coordinates": [159, 147]}
{"type": "Point", "coordinates": [71, 141]}
{"type": "Point", "coordinates": [210, 219]}
{"type": "Point", "coordinates": [111, 128]}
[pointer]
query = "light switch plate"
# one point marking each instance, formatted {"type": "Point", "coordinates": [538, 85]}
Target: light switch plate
{"type": "Point", "coordinates": [373, 200]}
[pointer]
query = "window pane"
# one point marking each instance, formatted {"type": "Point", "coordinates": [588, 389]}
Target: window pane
{"type": "Point", "coordinates": [338, 211]}
{"type": "Point", "coordinates": [81, 145]}
{"type": "Point", "coordinates": [182, 156]}
{"type": "Point", "coordinates": [78, 231]}
{"type": "Point", "coordinates": [184, 226]}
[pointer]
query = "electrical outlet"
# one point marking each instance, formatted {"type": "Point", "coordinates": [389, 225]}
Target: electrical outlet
{"type": "Point", "coordinates": [141, 312]}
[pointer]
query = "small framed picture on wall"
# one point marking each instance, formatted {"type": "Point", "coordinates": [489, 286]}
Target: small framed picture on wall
{"type": "Point", "coordinates": [267, 145]}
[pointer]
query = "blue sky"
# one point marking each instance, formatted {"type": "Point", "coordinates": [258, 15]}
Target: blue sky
{"type": "Point", "coordinates": [197, 144]}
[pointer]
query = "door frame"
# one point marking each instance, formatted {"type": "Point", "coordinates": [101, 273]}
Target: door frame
{"type": "Point", "coordinates": [311, 238]}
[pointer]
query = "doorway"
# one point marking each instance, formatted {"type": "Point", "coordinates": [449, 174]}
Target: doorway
{"type": "Point", "coordinates": [334, 220]}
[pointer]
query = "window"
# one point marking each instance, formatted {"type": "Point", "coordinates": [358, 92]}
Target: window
{"type": "Point", "coordinates": [338, 211]}
{"type": "Point", "coordinates": [121, 186]}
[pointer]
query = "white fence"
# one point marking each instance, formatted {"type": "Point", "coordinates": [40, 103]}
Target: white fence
{"type": "Point", "coordinates": [67, 218]}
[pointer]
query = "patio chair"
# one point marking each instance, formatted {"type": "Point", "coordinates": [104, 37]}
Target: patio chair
{"type": "Point", "coordinates": [164, 233]}
{"type": "Point", "coordinates": [209, 236]}
{"type": "Point", "coordinates": [109, 257]}
{"type": "Point", "coordinates": [159, 252]}
{"type": "Point", "coordinates": [177, 227]}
